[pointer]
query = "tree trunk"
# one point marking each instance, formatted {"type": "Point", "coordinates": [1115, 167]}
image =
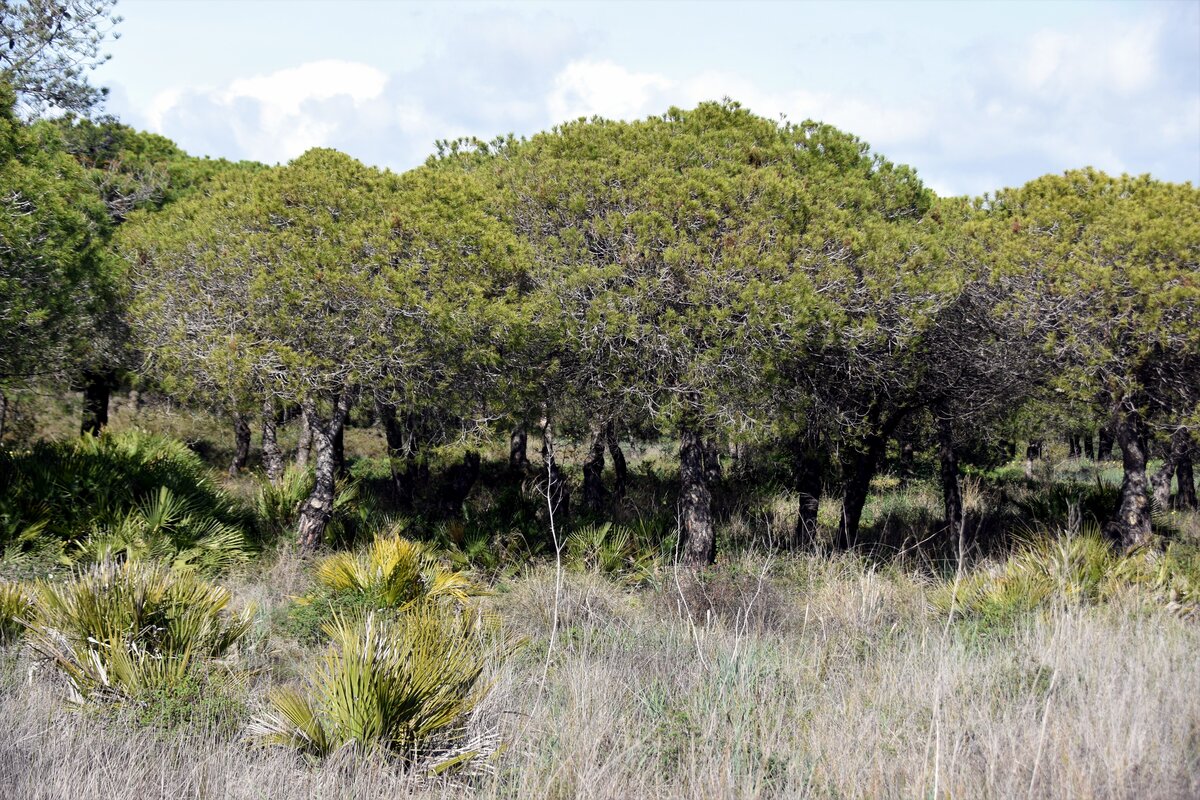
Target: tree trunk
{"type": "Point", "coordinates": [459, 480]}
{"type": "Point", "coordinates": [272, 456]}
{"type": "Point", "coordinates": [1089, 446]}
{"type": "Point", "coordinates": [907, 457]}
{"type": "Point", "coordinates": [695, 501]}
{"type": "Point", "coordinates": [304, 446]}
{"type": "Point", "coordinates": [339, 451]}
{"type": "Point", "coordinates": [807, 472]}
{"type": "Point", "coordinates": [1105, 448]}
{"type": "Point", "coordinates": [3, 414]}
{"type": "Point", "coordinates": [620, 468]}
{"type": "Point", "coordinates": [398, 444]}
{"type": "Point", "coordinates": [518, 449]}
{"type": "Point", "coordinates": [1185, 477]}
{"type": "Point", "coordinates": [558, 494]}
{"type": "Point", "coordinates": [951, 488]}
{"type": "Point", "coordinates": [97, 389]}
{"type": "Point", "coordinates": [1129, 525]}
{"type": "Point", "coordinates": [857, 473]}
{"type": "Point", "coordinates": [1160, 481]}
{"type": "Point", "coordinates": [1033, 453]}
{"type": "Point", "coordinates": [593, 473]}
{"type": "Point", "coordinates": [318, 508]}
{"type": "Point", "coordinates": [241, 443]}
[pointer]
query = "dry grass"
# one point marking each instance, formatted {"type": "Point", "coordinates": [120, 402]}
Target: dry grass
{"type": "Point", "coordinates": [801, 676]}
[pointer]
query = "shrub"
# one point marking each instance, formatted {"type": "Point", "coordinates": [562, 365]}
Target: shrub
{"type": "Point", "coordinates": [609, 549]}
{"type": "Point", "coordinates": [277, 506]}
{"type": "Point", "coordinates": [169, 530]}
{"type": "Point", "coordinates": [71, 488]}
{"type": "Point", "coordinates": [394, 572]}
{"type": "Point", "coordinates": [1083, 568]}
{"type": "Point", "coordinates": [15, 607]}
{"type": "Point", "coordinates": [405, 683]}
{"type": "Point", "coordinates": [119, 631]}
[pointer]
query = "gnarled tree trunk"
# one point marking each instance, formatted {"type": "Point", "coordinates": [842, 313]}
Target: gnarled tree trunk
{"type": "Point", "coordinates": [1129, 526]}
{"type": "Point", "coordinates": [318, 508]}
{"type": "Point", "coordinates": [518, 449]}
{"type": "Point", "coordinates": [1105, 448]}
{"type": "Point", "coordinates": [1160, 481]}
{"type": "Point", "coordinates": [695, 500]}
{"type": "Point", "coordinates": [399, 445]}
{"type": "Point", "coordinates": [241, 443]}
{"type": "Point", "coordinates": [1185, 477]}
{"type": "Point", "coordinates": [593, 472]}
{"type": "Point", "coordinates": [807, 471]}
{"type": "Point", "coordinates": [858, 469]}
{"type": "Point", "coordinates": [304, 446]}
{"type": "Point", "coordinates": [1089, 445]}
{"type": "Point", "coordinates": [951, 487]}
{"type": "Point", "coordinates": [620, 467]}
{"type": "Point", "coordinates": [459, 480]}
{"type": "Point", "coordinates": [97, 390]}
{"type": "Point", "coordinates": [272, 455]}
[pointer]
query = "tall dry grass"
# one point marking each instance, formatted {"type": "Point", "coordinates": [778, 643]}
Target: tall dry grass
{"type": "Point", "coordinates": [793, 676]}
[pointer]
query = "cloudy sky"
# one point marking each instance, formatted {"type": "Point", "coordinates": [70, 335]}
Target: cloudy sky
{"type": "Point", "coordinates": [975, 96]}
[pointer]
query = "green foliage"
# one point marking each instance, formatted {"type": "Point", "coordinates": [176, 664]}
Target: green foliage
{"type": "Point", "coordinates": [611, 550]}
{"type": "Point", "coordinates": [16, 607]}
{"type": "Point", "coordinates": [1078, 569]}
{"type": "Point", "coordinates": [116, 631]}
{"type": "Point", "coordinates": [405, 683]}
{"type": "Point", "coordinates": [168, 530]}
{"type": "Point", "coordinates": [394, 572]}
{"type": "Point", "coordinates": [214, 703]}
{"type": "Point", "coordinates": [64, 491]}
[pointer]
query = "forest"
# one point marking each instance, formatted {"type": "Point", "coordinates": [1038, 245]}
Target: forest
{"type": "Point", "coordinates": [700, 455]}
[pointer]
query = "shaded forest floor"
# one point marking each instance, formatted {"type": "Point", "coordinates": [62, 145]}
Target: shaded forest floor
{"type": "Point", "coordinates": [1038, 670]}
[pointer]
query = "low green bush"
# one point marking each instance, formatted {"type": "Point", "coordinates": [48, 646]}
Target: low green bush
{"type": "Point", "coordinates": [118, 631]}
{"type": "Point", "coordinates": [404, 683]}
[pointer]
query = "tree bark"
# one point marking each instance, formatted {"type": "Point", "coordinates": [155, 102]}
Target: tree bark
{"type": "Point", "coordinates": [339, 451]}
{"type": "Point", "coordinates": [1105, 448]}
{"type": "Point", "coordinates": [951, 487]}
{"type": "Point", "coordinates": [1074, 445]}
{"type": "Point", "coordinates": [459, 480]}
{"type": "Point", "coordinates": [1089, 445]}
{"type": "Point", "coordinates": [907, 458]}
{"type": "Point", "coordinates": [304, 446]}
{"type": "Point", "coordinates": [593, 472]}
{"type": "Point", "coordinates": [695, 501]}
{"type": "Point", "coordinates": [1160, 481]}
{"type": "Point", "coordinates": [3, 414]}
{"type": "Point", "coordinates": [241, 443]}
{"type": "Point", "coordinates": [399, 447]}
{"type": "Point", "coordinates": [857, 472]}
{"type": "Point", "coordinates": [1033, 453]}
{"type": "Point", "coordinates": [518, 449]}
{"type": "Point", "coordinates": [318, 508]}
{"type": "Point", "coordinates": [807, 471]}
{"type": "Point", "coordinates": [272, 455]}
{"type": "Point", "coordinates": [1185, 477]}
{"type": "Point", "coordinates": [620, 466]}
{"type": "Point", "coordinates": [97, 390]}
{"type": "Point", "coordinates": [1129, 526]}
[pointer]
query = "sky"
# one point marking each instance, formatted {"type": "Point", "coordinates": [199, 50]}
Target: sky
{"type": "Point", "coordinates": [975, 96]}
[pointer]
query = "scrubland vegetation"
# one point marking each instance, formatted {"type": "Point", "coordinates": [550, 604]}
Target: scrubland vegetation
{"type": "Point", "coordinates": [838, 488]}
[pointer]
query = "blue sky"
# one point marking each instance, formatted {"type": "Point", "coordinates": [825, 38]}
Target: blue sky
{"type": "Point", "coordinates": [975, 96]}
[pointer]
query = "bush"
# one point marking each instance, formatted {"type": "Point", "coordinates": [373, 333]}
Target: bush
{"type": "Point", "coordinates": [117, 632]}
{"type": "Point", "coordinates": [394, 572]}
{"type": "Point", "coordinates": [405, 683]}
{"type": "Point", "coordinates": [169, 530]}
{"type": "Point", "coordinates": [65, 490]}
{"type": "Point", "coordinates": [15, 607]}
{"type": "Point", "coordinates": [277, 506]}
{"type": "Point", "coordinates": [1079, 569]}
{"type": "Point", "coordinates": [609, 549]}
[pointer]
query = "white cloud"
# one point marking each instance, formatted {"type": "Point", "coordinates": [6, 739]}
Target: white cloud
{"type": "Point", "coordinates": [277, 116]}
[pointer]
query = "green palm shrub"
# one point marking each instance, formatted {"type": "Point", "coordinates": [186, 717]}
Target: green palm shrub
{"type": "Point", "coordinates": [1079, 569]}
{"type": "Point", "coordinates": [609, 549]}
{"type": "Point", "coordinates": [71, 488]}
{"type": "Point", "coordinates": [394, 572]}
{"type": "Point", "coordinates": [169, 530]}
{"type": "Point", "coordinates": [15, 608]}
{"type": "Point", "coordinates": [406, 683]}
{"type": "Point", "coordinates": [277, 505]}
{"type": "Point", "coordinates": [117, 631]}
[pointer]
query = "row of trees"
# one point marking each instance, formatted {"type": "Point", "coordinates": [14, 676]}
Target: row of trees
{"type": "Point", "coordinates": [707, 275]}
